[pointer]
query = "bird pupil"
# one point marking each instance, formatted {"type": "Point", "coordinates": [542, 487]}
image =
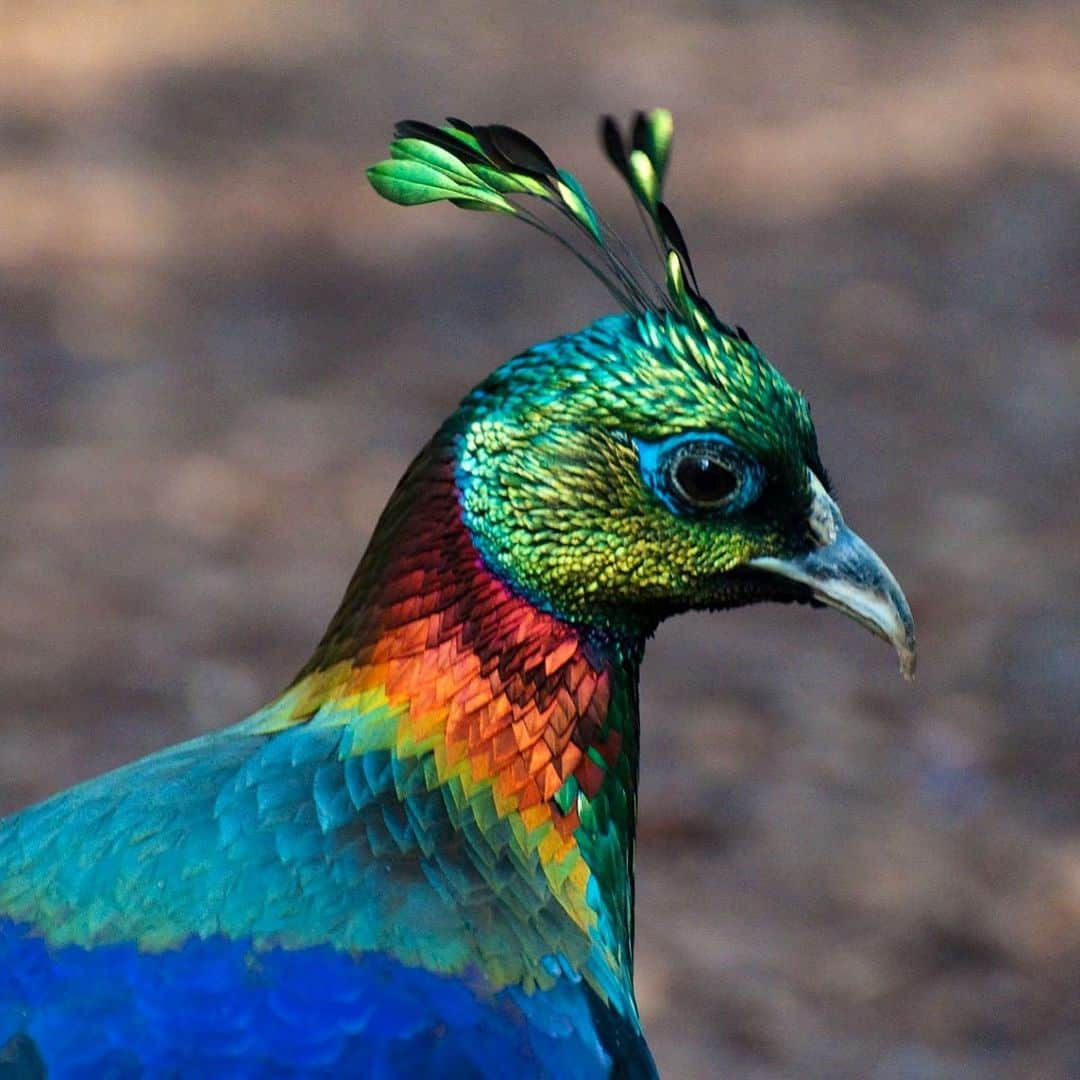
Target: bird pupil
{"type": "Point", "coordinates": [704, 479]}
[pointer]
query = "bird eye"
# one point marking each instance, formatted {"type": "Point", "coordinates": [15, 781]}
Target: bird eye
{"type": "Point", "coordinates": [700, 473]}
{"type": "Point", "coordinates": [702, 479]}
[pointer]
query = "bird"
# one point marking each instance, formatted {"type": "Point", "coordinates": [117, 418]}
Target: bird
{"type": "Point", "coordinates": [417, 860]}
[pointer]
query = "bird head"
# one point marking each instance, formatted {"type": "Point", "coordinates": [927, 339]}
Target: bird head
{"type": "Point", "coordinates": [654, 462]}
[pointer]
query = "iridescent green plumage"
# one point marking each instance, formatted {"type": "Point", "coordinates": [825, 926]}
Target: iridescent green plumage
{"type": "Point", "coordinates": [431, 831]}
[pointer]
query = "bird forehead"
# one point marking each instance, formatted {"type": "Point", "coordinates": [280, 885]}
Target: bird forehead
{"type": "Point", "coordinates": [650, 386]}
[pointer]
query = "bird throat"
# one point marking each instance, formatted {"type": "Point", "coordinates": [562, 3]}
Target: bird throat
{"type": "Point", "coordinates": [432, 655]}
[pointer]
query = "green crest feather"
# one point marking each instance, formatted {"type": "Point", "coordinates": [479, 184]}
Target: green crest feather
{"type": "Point", "coordinates": [491, 167]}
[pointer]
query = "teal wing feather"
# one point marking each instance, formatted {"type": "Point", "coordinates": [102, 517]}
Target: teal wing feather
{"type": "Point", "coordinates": [241, 852]}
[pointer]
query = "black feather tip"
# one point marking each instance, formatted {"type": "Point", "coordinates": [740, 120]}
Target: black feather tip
{"type": "Point", "coordinates": [673, 237]}
{"type": "Point", "coordinates": [510, 149]}
{"type": "Point", "coordinates": [612, 142]}
{"type": "Point", "coordinates": [418, 129]}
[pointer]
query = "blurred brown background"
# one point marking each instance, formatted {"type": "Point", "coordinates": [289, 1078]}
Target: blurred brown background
{"type": "Point", "coordinates": [218, 349]}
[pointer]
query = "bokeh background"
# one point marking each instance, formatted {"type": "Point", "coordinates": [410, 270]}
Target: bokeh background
{"type": "Point", "coordinates": [218, 349]}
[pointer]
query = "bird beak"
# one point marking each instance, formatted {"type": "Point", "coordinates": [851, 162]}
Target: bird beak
{"type": "Point", "coordinates": [844, 572]}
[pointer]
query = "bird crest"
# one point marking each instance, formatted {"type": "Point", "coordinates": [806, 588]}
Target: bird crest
{"type": "Point", "coordinates": [493, 167]}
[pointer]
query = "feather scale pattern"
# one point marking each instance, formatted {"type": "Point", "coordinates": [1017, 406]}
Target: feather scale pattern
{"type": "Point", "coordinates": [418, 859]}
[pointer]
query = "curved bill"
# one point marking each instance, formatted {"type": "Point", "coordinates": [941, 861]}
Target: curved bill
{"type": "Point", "coordinates": [845, 573]}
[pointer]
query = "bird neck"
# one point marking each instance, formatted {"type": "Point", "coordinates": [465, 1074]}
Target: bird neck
{"type": "Point", "coordinates": [434, 656]}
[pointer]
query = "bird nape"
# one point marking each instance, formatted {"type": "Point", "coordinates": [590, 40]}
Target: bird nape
{"type": "Point", "coordinates": [418, 860]}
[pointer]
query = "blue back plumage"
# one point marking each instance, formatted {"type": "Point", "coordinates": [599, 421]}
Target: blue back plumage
{"type": "Point", "coordinates": [219, 1007]}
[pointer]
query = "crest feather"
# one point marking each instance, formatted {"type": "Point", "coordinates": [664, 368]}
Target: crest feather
{"type": "Point", "coordinates": [490, 167]}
